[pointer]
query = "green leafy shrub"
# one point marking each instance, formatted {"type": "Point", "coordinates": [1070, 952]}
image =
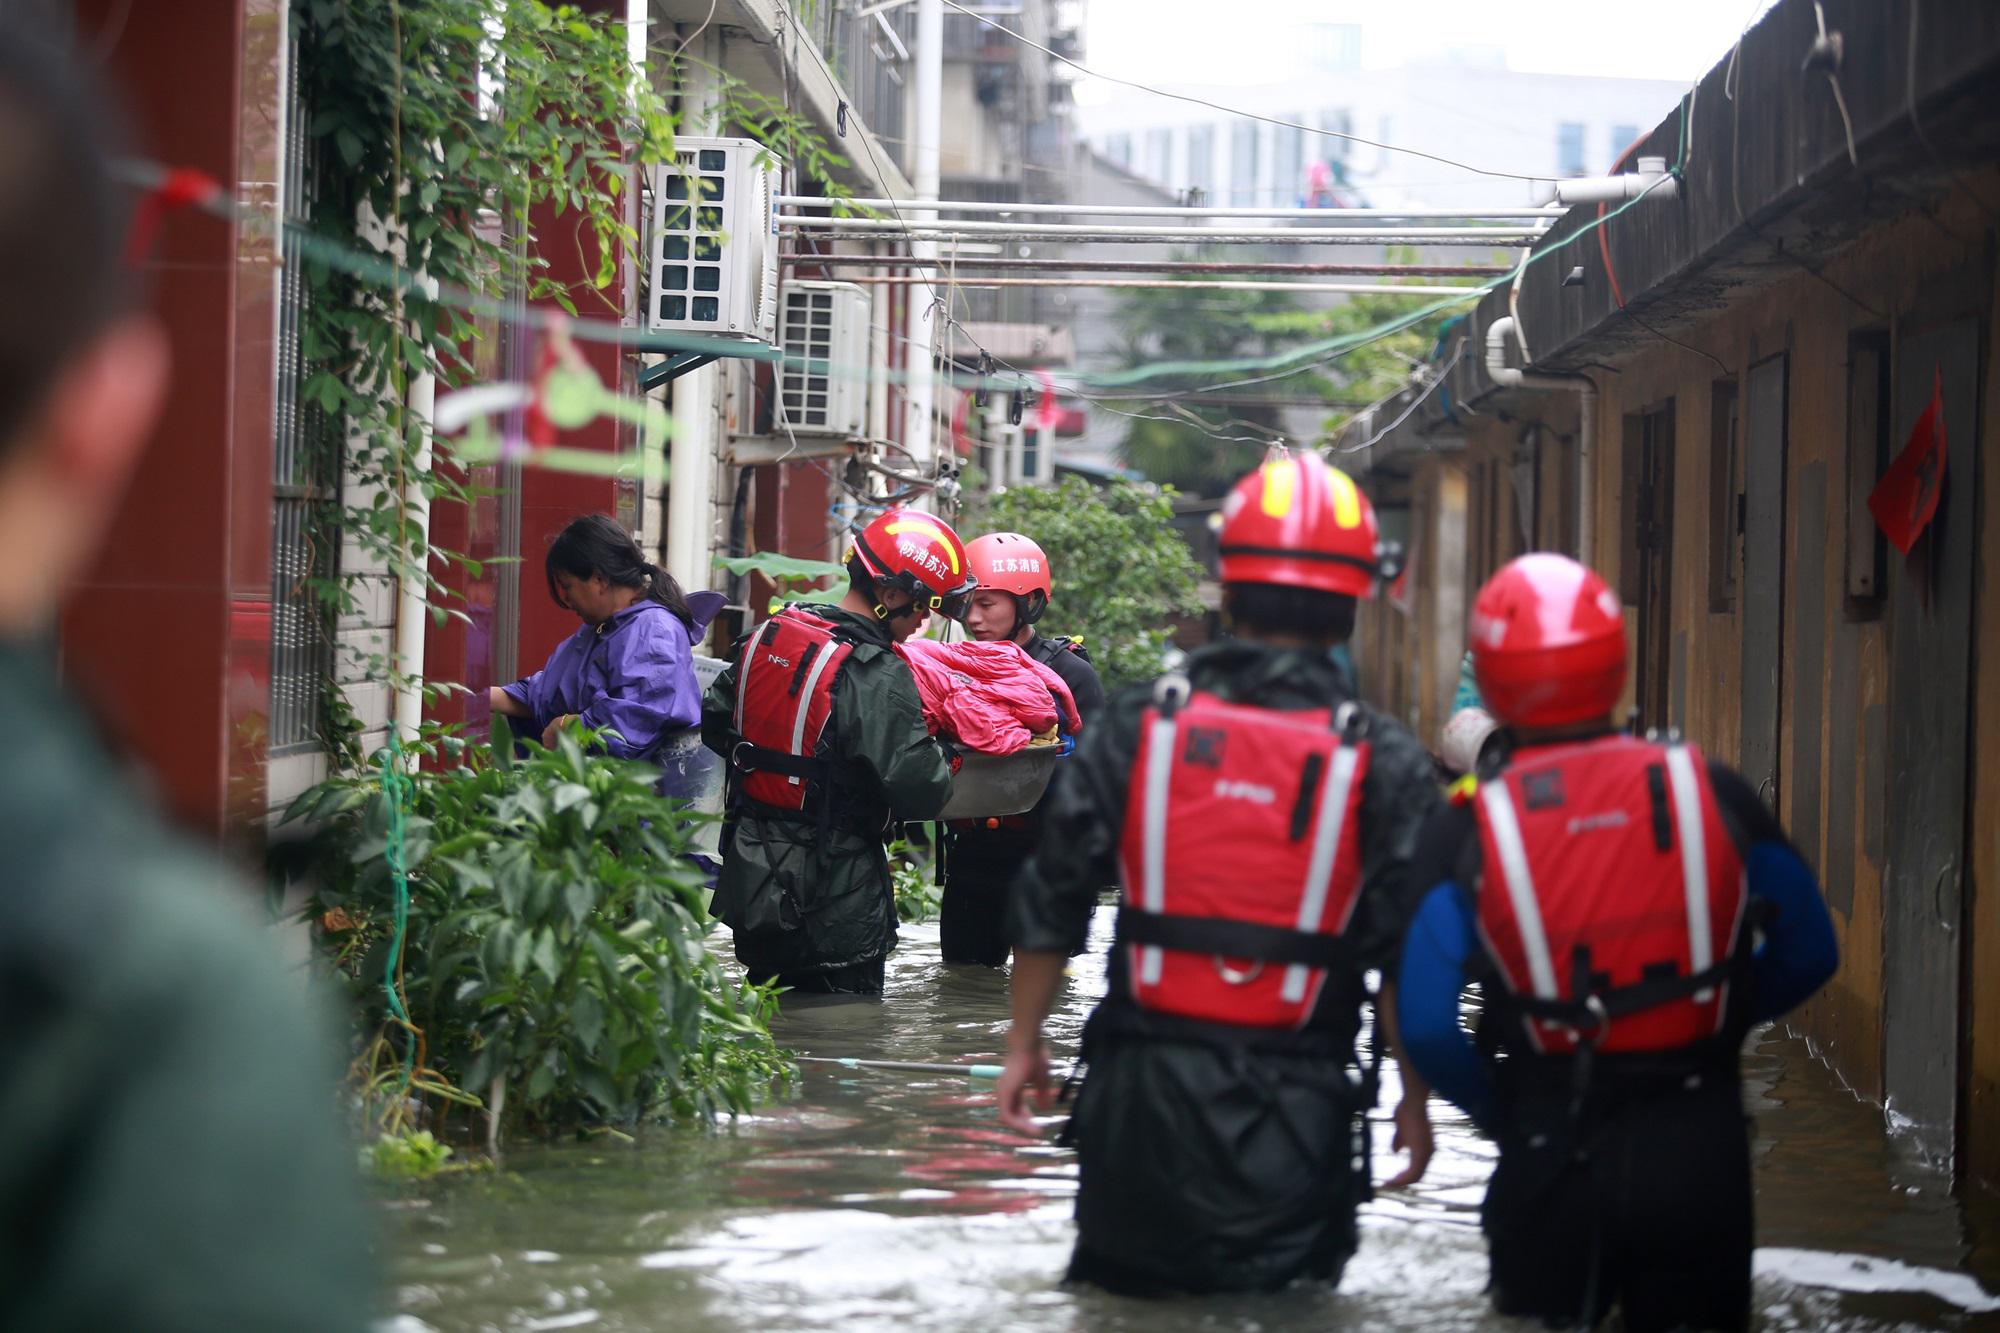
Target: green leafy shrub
{"type": "Point", "coordinates": [913, 873]}
{"type": "Point", "coordinates": [1121, 570]}
{"type": "Point", "coordinates": [408, 1155]}
{"type": "Point", "coordinates": [555, 963]}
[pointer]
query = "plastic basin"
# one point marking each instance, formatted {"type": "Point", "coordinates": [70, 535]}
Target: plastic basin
{"type": "Point", "coordinates": [1000, 784]}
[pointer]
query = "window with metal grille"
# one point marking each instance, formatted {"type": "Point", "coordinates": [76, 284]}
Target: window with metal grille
{"type": "Point", "coordinates": [305, 448]}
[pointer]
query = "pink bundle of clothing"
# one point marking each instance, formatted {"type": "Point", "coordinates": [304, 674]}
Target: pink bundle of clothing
{"type": "Point", "coordinates": [991, 697]}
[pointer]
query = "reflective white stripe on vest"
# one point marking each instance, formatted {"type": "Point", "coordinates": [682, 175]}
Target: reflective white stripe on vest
{"type": "Point", "coordinates": [1160, 742]}
{"type": "Point", "coordinates": [748, 659]}
{"type": "Point", "coordinates": [1328, 826]}
{"type": "Point", "coordinates": [826, 654]}
{"type": "Point", "coordinates": [1694, 861]}
{"type": "Point", "coordinates": [1520, 886]}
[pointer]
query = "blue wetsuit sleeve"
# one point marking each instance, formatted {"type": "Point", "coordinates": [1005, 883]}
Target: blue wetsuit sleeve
{"type": "Point", "coordinates": [1436, 950]}
{"type": "Point", "coordinates": [1798, 952]}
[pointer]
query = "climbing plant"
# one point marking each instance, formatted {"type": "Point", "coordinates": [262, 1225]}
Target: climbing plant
{"type": "Point", "coordinates": [461, 145]}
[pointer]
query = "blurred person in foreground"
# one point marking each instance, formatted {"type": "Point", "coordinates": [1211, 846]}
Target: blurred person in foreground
{"type": "Point", "coordinates": [169, 1153]}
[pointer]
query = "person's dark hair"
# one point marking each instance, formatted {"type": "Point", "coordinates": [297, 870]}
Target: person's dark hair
{"type": "Point", "coordinates": [1270, 608]}
{"type": "Point", "coordinates": [62, 217]}
{"type": "Point", "coordinates": [599, 544]}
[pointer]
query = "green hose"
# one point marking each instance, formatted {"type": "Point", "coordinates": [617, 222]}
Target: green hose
{"type": "Point", "coordinates": [396, 790]}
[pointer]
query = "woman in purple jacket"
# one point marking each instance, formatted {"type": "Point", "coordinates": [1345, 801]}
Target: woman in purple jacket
{"type": "Point", "coordinates": [629, 670]}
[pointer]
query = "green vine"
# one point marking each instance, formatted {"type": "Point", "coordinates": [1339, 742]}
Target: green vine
{"type": "Point", "coordinates": [445, 131]}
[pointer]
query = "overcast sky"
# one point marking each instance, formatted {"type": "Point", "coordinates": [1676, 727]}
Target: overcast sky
{"type": "Point", "coordinates": [1199, 41]}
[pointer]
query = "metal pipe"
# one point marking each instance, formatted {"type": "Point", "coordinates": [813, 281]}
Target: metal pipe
{"type": "Point", "coordinates": [1161, 266]}
{"type": "Point", "coordinates": [1181, 285]}
{"type": "Point", "coordinates": [1204, 239]}
{"type": "Point", "coordinates": [919, 224]}
{"type": "Point", "coordinates": [1175, 210]}
{"type": "Point", "coordinates": [1585, 388]}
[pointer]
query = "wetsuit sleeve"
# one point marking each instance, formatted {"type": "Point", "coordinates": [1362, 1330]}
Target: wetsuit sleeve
{"type": "Point", "coordinates": [1398, 796]}
{"type": "Point", "coordinates": [1436, 953]}
{"type": "Point", "coordinates": [1797, 951]}
{"type": "Point", "coordinates": [1084, 686]}
{"type": "Point", "coordinates": [718, 712]}
{"type": "Point", "coordinates": [881, 724]}
{"type": "Point", "coordinates": [1082, 823]}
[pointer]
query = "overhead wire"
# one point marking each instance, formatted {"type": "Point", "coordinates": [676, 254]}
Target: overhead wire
{"type": "Point", "coordinates": [1233, 111]}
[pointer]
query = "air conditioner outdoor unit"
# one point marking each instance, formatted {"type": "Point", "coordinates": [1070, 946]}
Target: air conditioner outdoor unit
{"type": "Point", "coordinates": [823, 384]}
{"type": "Point", "coordinates": [715, 240]}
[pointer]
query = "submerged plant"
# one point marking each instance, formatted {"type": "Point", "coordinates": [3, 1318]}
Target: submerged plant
{"type": "Point", "coordinates": [913, 873]}
{"type": "Point", "coordinates": [553, 967]}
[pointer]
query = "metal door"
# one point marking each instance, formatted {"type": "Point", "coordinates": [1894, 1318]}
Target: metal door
{"type": "Point", "coordinates": [1763, 585]}
{"type": "Point", "coordinates": [1930, 659]}
{"type": "Point", "coordinates": [1655, 539]}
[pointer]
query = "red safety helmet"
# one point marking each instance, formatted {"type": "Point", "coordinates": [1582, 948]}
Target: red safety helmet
{"type": "Point", "coordinates": [1013, 564]}
{"type": "Point", "coordinates": [919, 554]}
{"type": "Point", "coordinates": [1548, 643]}
{"type": "Point", "coordinates": [1299, 523]}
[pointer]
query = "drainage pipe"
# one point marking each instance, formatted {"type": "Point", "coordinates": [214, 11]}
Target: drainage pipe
{"type": "Point", "coordinates": [1509, 377]}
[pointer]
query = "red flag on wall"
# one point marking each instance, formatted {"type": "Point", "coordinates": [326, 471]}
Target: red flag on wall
{"type": "Point", "coordinates": [1904, 501]}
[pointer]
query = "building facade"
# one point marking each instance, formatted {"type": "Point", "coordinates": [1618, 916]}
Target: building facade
{"type": "Point", "coordinates": [1759, 350]}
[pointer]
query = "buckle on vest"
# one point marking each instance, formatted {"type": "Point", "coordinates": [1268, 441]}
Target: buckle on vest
{"type": "Point", "coordinates": [1593, 1005]}
{"type": "Point", "coordinates": [1236, 976]}
{"type": "Point", "coordinates": [736, 760]}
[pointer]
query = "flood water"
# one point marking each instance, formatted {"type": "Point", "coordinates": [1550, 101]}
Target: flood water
{"type": "Point", "coordinates": [892, 1200]}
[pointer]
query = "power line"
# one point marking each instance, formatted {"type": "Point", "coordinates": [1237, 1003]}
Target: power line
{"type": "Point", "coordinates": [1235, 111]}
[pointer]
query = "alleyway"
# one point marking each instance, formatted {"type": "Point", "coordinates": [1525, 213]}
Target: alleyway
{"type": "Point", "coordinates": [879, 1199]}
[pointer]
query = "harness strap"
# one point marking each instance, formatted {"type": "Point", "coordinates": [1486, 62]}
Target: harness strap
{"type": "Point", "coordinates": [1231, 939]}
{"type": "Point", "coordinates": [1598, 1007]}
{"type": "Point", "coordinates": [751, 757]}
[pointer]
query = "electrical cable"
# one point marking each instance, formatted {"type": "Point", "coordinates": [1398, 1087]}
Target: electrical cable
{"type": "Point", "coordinates": [1429, 389]}
{"type": "Point", "coordinates": [1233, 111]}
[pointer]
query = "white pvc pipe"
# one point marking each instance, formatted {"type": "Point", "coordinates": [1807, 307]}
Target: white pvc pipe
{"type": "Point", "coordinates": [920, 397]}
{"type": "Point", "coordinates": [1181, 211]}
{"type": "Point", "coordinates": [924, 223]}
{"type": "Point", "coordinates": [697, 395]}
{"type": "Point", "coordinates": [412, 600]}
{"type": "Point", "coordinates": [1508, 377]}
{"type": "Point", "coordinates": [1650, 179]}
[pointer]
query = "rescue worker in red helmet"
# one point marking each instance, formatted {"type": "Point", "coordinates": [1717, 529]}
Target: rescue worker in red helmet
{"type": "Point", "coordinates": [1604, 890]}
{"type": "Point", "coordinates": [982, 856]}
{"type": "Point", "coordinates": [820, 723]}
{"type": "Point", "coordinates": [1260, 822]}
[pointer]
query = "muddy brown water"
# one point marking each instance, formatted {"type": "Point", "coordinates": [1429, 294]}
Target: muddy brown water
{"type": "Point", "coordinates": [878, 1200]}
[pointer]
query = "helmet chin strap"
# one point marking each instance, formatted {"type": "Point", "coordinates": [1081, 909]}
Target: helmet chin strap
{"type": "Point", "coordinates": [883, 613]}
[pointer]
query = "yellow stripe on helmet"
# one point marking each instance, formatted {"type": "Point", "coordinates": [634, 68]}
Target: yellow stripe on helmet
{"type": "Point", "coordinates": [1281, 486]}
{"type": "Point", "coordinates": [928, 529]}
{"type": "Point", "coordinates": [1346, 499]}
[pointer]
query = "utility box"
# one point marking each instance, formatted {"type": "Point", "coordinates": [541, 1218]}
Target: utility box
{"type": "Point", "coordinates": [715, 240]}
{"type": "Point", "coordinates": [823, 383]}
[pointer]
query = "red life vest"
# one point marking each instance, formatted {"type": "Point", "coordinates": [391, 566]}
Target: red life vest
{"type": "Point", "coordinates": [784, 700]}
{"type": "Point", "coordinates": [1241, 856]}
{"type": "Point", "coordinates": [1612, 897]}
